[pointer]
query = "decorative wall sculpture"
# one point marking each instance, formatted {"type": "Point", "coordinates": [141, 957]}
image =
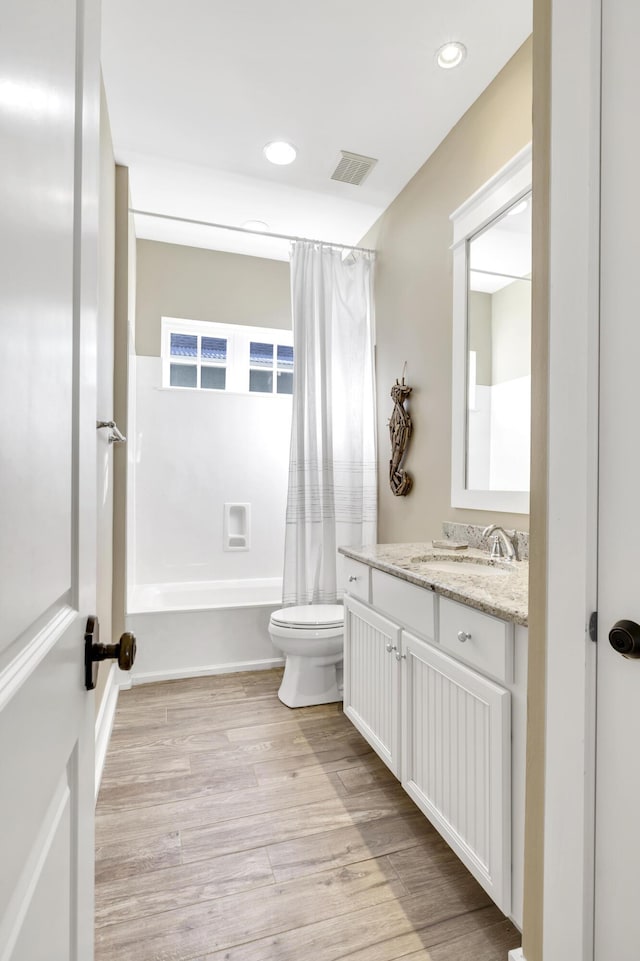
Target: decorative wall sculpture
{"type": "Point", "coordinates": [400, 428]}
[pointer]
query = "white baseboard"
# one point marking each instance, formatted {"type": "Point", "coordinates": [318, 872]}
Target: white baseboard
{"type": "Point", "coordinates": [151, 677]}
{"type": "Point", "coordinates": [104, 723]}
{"type": "Point", "coordinates": [516, 955]}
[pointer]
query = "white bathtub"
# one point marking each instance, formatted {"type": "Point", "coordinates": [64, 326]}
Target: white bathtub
{"type": "Point", "coordinates": [191, 629]}
{"type": "Point", "coordinates": [205, 595]}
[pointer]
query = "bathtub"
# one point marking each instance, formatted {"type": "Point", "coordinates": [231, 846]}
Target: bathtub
{"type": "Point", "coordinates": [203, 627]}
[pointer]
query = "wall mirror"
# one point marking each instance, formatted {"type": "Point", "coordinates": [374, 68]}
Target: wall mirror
{"type": "Point", "coordinates": [491, 401]}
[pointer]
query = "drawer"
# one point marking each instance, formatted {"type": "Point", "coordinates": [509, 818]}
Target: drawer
{"type": "Point", "coordinates": [406, 603]}
{"type": "Point", "coordinates": [489, 647]}
{"type": "Point", "coordinates": [357, 579]}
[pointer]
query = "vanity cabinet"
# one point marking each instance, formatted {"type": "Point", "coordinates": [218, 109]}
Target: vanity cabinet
{"type": "Point", "coordinates": [456, 760]}
{"type": "Point", "coordinates": [439, 691]}
{"type": "Point", "coordinates": [372, 680]}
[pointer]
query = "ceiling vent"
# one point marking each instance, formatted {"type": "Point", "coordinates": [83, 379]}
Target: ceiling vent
{"type": "Point", "coordinates": [353, 168]}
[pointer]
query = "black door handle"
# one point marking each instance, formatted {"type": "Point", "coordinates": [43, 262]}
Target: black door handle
{"type": "Point", "coordinates": [624, 638]}
{"type": "Point", "coordinates": [94, 652]}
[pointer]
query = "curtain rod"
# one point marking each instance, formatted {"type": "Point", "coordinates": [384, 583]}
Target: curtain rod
{"type": "Point", "coordinates": [245, 230]}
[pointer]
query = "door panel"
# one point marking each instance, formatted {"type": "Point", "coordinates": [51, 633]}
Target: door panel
{"type": "Point", "coordinates": [37, 131]}
{"type": "Point", "coordinates": [617, 920]}
{"type": "Point", "coordinates": [48, 196]}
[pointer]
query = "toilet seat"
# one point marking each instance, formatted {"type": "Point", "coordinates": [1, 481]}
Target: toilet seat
{"type": "Point", "coordinates": [311, 617]}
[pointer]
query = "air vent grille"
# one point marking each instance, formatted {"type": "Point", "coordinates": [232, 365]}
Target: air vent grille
{"type": "Point", "coordinates": [353, 168]}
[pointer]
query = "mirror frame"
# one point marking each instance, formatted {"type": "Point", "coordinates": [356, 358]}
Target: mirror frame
{"type": "Point", "coordinates": [510, 184]}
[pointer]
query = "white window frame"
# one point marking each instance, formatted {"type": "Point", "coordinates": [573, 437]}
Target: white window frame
{"type": "Point", "coordinates": [237, 365]}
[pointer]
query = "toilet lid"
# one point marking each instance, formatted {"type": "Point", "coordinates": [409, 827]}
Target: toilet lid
{"type": "Point", "coordinates": [310, 615]}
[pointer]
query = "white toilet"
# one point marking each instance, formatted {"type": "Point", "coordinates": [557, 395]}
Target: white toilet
{"type": "Point", "coordinates": [310, 637]}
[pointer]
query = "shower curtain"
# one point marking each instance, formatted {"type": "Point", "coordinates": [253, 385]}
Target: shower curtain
{"type": "Point", "coordinates": [332, 466]}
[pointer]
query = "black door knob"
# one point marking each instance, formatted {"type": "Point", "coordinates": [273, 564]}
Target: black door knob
{"type": "Point", "coordinates": [624, 638]}
{"type": "Point", "coordinates": [94, 652]}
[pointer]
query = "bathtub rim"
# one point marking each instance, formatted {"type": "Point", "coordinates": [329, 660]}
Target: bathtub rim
{"type": "Point", "coordinates": [164, 590]}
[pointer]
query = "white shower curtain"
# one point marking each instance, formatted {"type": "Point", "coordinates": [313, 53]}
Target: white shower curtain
{"type": "Point", "coordinates": [332, 466]}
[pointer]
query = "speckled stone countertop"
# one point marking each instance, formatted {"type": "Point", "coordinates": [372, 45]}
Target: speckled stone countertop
{"type": "Point", "coordinates": [504, 595]}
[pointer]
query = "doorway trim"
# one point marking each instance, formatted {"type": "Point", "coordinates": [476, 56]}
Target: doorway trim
{"type": "Point", "coordinates": [572, 476]}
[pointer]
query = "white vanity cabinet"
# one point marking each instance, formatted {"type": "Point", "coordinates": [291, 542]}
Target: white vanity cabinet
{"type": "Point", "coordinates": [439, 691]}
{"type": "Point", "coordinates": [372, 679]}
{"type": "Point", "coordinates": [456, 760]}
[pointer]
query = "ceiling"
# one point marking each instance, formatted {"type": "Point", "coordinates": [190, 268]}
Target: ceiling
{"type": "Point", "coordinates": [196, 88]}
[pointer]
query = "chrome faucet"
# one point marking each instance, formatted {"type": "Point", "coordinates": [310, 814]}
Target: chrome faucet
{"type": "Point", "coordinates": [502, 543]}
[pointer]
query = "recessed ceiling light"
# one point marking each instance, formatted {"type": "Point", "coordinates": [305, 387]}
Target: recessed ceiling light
{"type": "Point", "coordinates": [518, 208]}
{"type": "Point", "coordinates": [280, 152]}
{"type": "Point", "coordinates": [258, 225]}
{"type": "Point", "coordinates": [451, 54]}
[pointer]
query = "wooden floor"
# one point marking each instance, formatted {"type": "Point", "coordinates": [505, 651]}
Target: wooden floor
{"type": "Point", "coordinates": [230, 828]}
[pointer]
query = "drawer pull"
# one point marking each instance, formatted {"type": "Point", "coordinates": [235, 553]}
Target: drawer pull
{"type": "Point", "coordinates": [400, 657]}
{"type": "Point", "coordinates": [352, 577]}
{"type": "Point", "coordinates": [390, 647]}
{"type": "Point", "coordinates": [464, 636]}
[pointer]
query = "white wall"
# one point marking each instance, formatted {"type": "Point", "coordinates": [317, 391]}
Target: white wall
{"type": "Point", "coordinates": [499, 436]}
{"type": "Point", "coordinates": [479, 440]}
{"type": "Point", "coordinates": [511, 434]}
{"type": "Point", "coordinates": [194, 451]}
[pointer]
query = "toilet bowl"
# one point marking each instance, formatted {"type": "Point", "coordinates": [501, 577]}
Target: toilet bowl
{"type": "Point", "coordinates": [310, 637]}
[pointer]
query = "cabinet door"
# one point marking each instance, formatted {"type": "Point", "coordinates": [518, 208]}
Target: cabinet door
{"type": "Point", "coordinates": [372, 679]}
{"type": "Point", "coordinates": [456, 760]}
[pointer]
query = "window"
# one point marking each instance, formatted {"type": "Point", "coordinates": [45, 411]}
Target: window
{"type": "Point", "coordinates": [267, 359]}
{"type": "Point", "coordinates": [206, 356]}
{"type": "Point", "coordinates": [197, 361]}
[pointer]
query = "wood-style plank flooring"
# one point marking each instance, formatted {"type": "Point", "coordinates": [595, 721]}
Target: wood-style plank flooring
{"type": "Point", "coordinates": [231, 828]}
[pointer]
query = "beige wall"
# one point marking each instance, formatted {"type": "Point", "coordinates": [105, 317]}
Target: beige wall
{"type": "Point", "coordinates": [414, 299]}
{"type": "Point", "coordinates": [106, 256]}
{"type": "Point", "coordinates": [511, 331]}
{"type": "Point", "coordinates": [125, 281]}
{"type": "Point", "coordinates": [532, 933]}
{"type": "Point", "coordinates": [197, 284]}
{"type": "Point", "coordinates": [479, 333]}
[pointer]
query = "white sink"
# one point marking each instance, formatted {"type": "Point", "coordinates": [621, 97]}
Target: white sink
{"type": "Point", "coordinates": [467, 566]}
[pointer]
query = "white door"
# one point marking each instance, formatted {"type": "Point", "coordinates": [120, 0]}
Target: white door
{"type": "Point", "coordinates": [49, 111]}
{"type": "Point", "coordinates": [617, 917]}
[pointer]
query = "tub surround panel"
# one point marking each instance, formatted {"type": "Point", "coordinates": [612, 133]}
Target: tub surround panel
{"type": "Point", "coordinates": [174, 644]}
{"type": "Point", "coordinates": [195, 451]}
{"type": "Point", "coordinates": [504, 596]}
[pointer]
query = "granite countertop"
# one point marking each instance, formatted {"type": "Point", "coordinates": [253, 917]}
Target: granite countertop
{"type": "Point", "coordinates": [504, 595]}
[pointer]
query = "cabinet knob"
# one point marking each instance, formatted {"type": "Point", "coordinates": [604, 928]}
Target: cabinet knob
{"type": "Point", "coordinates": [400, 657]}
{"type": "Point", "coordinates": [464, 636]}
{"type": "Point", "coordinates": [352, 578]}
{"type": "Point", "coordinates": [390, 647]}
